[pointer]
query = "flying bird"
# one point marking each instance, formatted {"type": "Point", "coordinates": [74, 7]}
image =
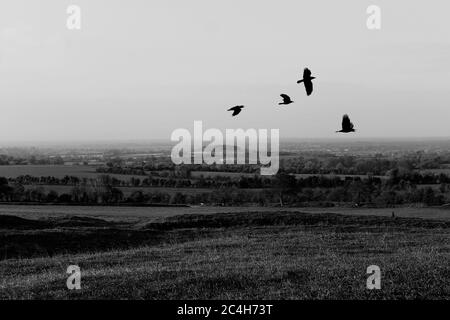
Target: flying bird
{"type": "Point", "coordinates": [236, 110]}
{"type": "Point", "coordinates": [286, 99]}
{"type": "Point", "coordinates": [307, 81]}
{"type": "Point", "coordinates": [347, 125]}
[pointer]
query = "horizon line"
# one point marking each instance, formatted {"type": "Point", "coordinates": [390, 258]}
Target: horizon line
{"type": "Point", "coordinates": [167, 140]}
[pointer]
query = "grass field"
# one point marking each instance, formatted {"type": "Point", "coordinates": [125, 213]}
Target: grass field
{"type": "Point", "coordinates": [435, 171]}
{"type": "Point", "coordinates": [106, 212]}
{"type": "Point", "coordinates": [58, 171]}
{"type": "Point", "coordinates": [127, 191]}
{"type": "Point", "coordinates": [212, 174]}
{"type": "Point", "coordinates": [332, 175]}
{"type": "Point", "coordinates": [238, 175]}
{"type": "Point", "coordinates": [257, 254]}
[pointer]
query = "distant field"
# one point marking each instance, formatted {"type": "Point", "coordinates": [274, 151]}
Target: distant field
{"type": "Point", "coordinates": [237, 175]}
{"type": "Point", "coordinates": [254, 255]}
{"type": "Point", "coordinates": [435, 171]}
{"type": "Point", "coordinates": [128, 190]}
{"type": "Point", "coordinates": [341, 176]}
{"type": "Point", "coordinates": [435, 187]}
{"type": "Point", "coordinates": [212, 174]}
{"type": "Point", "coordinates": [58, 171]}
{"type": "Point", "coordinates": [39, 211]}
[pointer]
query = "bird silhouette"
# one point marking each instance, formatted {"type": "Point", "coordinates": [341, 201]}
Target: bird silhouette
{"type": "Point", "coordinates": [307, 81]}
{"type": "Point", "coordinates": [236, 110]}
{"type": "Point", "coordinates": [286, 99]}
{"type": "Point", "coordinates": [347, 125]}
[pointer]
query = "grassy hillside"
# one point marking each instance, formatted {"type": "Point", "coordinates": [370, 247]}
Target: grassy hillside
{"type": "Point", "coordinates": [279, 255]}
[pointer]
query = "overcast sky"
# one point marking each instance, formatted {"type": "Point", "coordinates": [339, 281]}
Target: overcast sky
{"type": "Point", "coordinates": [139, 69]}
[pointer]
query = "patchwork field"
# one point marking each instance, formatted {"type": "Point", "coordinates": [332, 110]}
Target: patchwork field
{"type": "Point", "coordinates": [260, 254]}
{"type": "Point", "coordinates": [57, 171]}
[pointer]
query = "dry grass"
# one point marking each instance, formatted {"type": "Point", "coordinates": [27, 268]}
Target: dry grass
{"type": "Point", "coordinates": [277, 255]}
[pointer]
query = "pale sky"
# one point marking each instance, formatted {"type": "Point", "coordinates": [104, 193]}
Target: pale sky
{"type": "Point", "coordinates": [139, 69]}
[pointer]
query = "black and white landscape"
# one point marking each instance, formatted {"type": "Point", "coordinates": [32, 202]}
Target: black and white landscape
{"type": "Point", "coordinates": [118, 179]}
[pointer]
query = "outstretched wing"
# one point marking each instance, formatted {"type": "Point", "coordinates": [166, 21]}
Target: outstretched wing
{"type": "Point", "coordinates": [346, 123]}
{"type": "Point", "coordinates": [235, 108]}
{"type": "Point", "coordinates": [308, 87]}
{"type": "Point", "coordinates": [306, 73]}
{"type": "Point", "coordinates": [285, 97]}
{"type": "Point", "coordinates": [236, 111]}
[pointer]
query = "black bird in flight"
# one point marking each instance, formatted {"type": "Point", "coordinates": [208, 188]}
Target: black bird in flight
{"type": "Point", "coordinates": [286, 99]}
{"type": "Point", "coordinates": [307, 81]}
{"type": "Point", "coordinates": [236, 110]}
{"type": "Point", "coordinates": [347, 125]}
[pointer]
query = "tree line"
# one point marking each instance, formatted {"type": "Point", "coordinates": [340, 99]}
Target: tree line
{"type": "Point", "coordinates": [283, 189]}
